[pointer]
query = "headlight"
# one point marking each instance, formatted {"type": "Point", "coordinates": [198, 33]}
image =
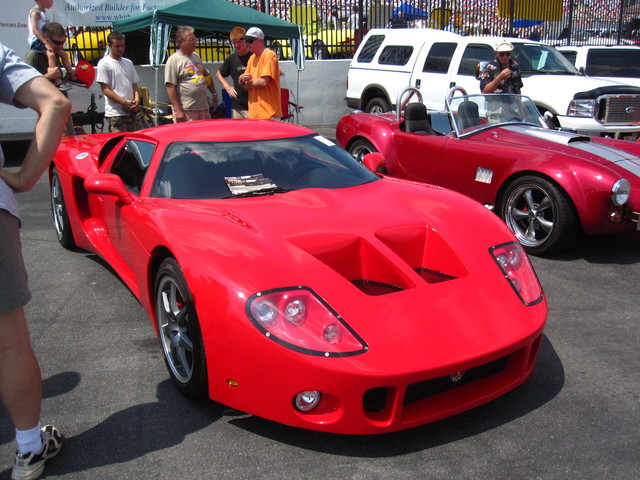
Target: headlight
{"type": "Point", "coordinates": [582, 108]}
{"type": "Point", "coordinates": [518, 271]}
{"type": "Point", "coordinates": [300, 320]}
{"type": "Point", "coordinates": [620, 192]}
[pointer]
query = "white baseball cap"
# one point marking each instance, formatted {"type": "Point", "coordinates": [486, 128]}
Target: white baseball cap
{"type": "Point", "coordinates": [504, 47]}
{"type": "Point", "coordinates": [254, 32]}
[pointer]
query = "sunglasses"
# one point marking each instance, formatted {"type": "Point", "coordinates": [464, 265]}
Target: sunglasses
{"type": "Point", "coordinates": [504, 54]}
{"type": "Point", "coordinates": [56, 42]}
{"type": "Point", "coordinates": [250, 40]}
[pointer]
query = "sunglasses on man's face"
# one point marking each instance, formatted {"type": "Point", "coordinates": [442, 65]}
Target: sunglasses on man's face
{"type": "Point", "coordinates": [57, 42]}
{"type": "Point", "coordinates": [504, 54]}
{"type": "Point", "coordinates": [250, 40]}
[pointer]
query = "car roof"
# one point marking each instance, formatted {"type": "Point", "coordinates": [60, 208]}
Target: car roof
{"type": "Point", "coordinates": [224, 130]}
{"type": "Point", "coordinates": [591, 47]}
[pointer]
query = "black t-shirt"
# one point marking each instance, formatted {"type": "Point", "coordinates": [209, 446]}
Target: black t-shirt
{"type": "Point", "coordinates": [234, 66]}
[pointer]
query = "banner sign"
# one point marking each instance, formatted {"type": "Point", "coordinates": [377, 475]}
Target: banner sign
{"type": "Point", "coordinates": [100, 13]}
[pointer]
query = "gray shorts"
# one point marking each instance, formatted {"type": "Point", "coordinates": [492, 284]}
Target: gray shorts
{"type": "Point", "coordinates": [14, 291]}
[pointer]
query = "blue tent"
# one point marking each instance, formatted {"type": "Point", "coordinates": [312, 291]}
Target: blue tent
{"type": "Point", "coordinates": [409, 12]}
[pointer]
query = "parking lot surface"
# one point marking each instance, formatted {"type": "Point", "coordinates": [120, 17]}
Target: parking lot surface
{"type": "Point", "coordinates": [105, 385]}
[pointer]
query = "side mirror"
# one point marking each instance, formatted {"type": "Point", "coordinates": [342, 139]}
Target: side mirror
{"type": "Point", "coordinates": [373, 161]}
{"type": "Point", "coordinates": [108, 184]}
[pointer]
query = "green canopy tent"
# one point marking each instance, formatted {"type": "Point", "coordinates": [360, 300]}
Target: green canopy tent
{"type": "Point", "coordinates": [215, 16]}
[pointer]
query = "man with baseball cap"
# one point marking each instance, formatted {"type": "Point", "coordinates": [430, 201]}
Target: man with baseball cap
{"type": "Point", "coordinates": [501, 75]}
{"type": "Point", "coordinates": [261, 78]}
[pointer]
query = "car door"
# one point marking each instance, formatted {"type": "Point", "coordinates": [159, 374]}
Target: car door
{"type": "Point", "coordinates": [122, 219]}
{"type": "Point", "coordinates": [431, 73]}
{"type": "Point", "coordinates": [464, 71]}
{"type": "Point", "coordinates": [418, 156]}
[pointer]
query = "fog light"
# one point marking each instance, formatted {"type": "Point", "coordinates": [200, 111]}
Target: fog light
{"type": "Point", "coordinates": [615, 217]}
{"type": "Point", "coordinates": [307, 400]}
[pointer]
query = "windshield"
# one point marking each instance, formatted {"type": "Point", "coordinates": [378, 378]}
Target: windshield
{"type": "Point", "coordinates": [472, 113]}
{"type": "Point", "coordinates": [205, 170]}
{"type": "Point", "coordinates": [536, 58]}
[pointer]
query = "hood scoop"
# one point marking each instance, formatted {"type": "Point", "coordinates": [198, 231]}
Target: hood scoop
{"type": "Point", "coordinates": [406, 257]}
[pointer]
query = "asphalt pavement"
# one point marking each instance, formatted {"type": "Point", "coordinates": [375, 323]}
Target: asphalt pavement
{"type": "Point", "coordinates": [106, 387]}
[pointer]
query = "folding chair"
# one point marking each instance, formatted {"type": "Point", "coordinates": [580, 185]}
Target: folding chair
{"type": "Point", "coordinates": [289, 108]}
{"type": "Point", "coordinates": [151, 111]}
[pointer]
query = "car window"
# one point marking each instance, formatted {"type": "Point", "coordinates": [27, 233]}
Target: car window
{"type": "Point", "coordinates": [370, 48]}
{"type": "Point", "coordinates": [612, 62]}
{"type": "Point", "coordinates": [439, 57]}
{"type": "Point", "coordinates": [472, 56]}
{"type": "Point", "coordinates": [570, 55]}
{"type": "Point", "coordinates": [208, 170]}
{"type": "Point", "coordinates": [131, 163]}
{"type": "Point", "coordinates": [395, 55]}
{"type": "Point", "coordinates": [537, 58]}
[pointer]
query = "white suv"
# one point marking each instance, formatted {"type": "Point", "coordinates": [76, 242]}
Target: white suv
{"type": "Point", "coordinates": [388, 60]}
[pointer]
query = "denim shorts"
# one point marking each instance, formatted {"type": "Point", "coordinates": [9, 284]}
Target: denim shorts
{"type": "Point", "coordinates": [14, 291]}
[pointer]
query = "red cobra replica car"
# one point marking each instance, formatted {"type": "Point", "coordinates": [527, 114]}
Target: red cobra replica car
{"type": "Point", "coordinates": [286, 280]}
{"type": "Point", "coordinates": [547, 185]}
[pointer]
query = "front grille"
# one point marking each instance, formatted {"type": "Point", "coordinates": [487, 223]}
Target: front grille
{"type": "Point", "coordinates": [420, 390]}
{"type": "Point", "coordinates": [619, 109]}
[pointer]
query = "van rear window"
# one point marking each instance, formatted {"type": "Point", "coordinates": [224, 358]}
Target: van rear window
{"type": "Point", "coordinates": [370, 48]}
{"type": "Point", "coordinates": [395, 55]}
{"type": "Point", "coordinates": [439, 58]}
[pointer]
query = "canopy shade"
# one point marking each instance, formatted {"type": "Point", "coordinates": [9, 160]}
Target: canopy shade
{"type": "Point", "coordinates": [218, 16]}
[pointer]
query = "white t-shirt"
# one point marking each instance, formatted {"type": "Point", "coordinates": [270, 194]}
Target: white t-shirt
{"type": "Point", "coordinates": [119, 75]}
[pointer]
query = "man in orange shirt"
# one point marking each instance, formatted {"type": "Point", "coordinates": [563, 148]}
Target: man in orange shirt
{"type": "Point", "coordinates": [262, 78]}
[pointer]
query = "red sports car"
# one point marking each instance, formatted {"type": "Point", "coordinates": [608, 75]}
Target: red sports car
{"type": "Point", "coordinates": [286, 280]}
{"type": "Point", "coordinates": [548, 186]}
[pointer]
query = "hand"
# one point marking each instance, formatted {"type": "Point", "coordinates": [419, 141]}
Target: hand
{"type": "Point", "coordinates": [53, 74]}
{"type": "Point", "coordinates": [179, 115]}
{"type": "Point", "coordinates": [134, 106]}
{"type": "Point", "coordinates": [505, 74]}
{"type": "Point", "coordinates": [231, 91]}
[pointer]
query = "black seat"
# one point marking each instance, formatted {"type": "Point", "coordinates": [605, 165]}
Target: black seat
{"type": "Point", "coordinates": [468, 115]}
{"type": "Point", "coordinates": [416, 119]}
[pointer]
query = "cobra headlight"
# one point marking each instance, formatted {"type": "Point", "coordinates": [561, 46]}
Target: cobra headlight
{"type": "Point", "coordinates": [620, 192]}
{"type": "Point", "coordinates": [584, 107]}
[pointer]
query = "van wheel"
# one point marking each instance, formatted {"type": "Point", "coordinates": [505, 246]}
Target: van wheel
{"type": "Point", "coordinates": [377, 106]}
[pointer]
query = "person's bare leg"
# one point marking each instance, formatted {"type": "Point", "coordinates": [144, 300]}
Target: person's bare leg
{"type": "Point", "coordinates": [20, 380]}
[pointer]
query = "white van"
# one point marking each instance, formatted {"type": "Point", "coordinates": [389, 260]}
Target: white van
{"type": "Point", "coordinates": [388, 60]}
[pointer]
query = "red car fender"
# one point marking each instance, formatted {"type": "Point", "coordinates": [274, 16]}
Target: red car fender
{"type": "Point", "coordinates": [585, 185]}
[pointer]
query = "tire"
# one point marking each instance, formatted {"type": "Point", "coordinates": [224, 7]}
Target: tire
{"type": "Point", "coordinates": [540, 214]}
{"type": "Point", "coordinates": [319, 50]}
{"type": "Point", "coordinates": [59, 211]}
{"type": "Point", "coordinates": [179, 331]}
{"type": "Point", "coordinates": [377, 106]}
{"type": "Point", "coordinates": [360, 147]}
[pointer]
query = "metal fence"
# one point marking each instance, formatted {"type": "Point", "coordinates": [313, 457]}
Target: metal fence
{"type": "Point", "coordinates": [340, 24]}
{"type": "Point", "coordinates": [334, 28]}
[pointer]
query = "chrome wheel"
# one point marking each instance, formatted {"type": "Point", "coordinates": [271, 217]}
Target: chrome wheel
{"type": "Point", "coordinates": [360, 147]}
{"type": "Point", "coordinates": [59, 211]}
{"type": "Point", "coordinates": [179, 331]}
{"type": "Point", "coordinates": [378, 106]}
{"type": "Point", "coordinates": [539, 214]}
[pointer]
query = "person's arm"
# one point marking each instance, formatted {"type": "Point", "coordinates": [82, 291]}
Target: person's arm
{"type": "Point", "coordinates": [261, 82]}
{"type": "Point", "coordinates": [71, 72]}
{"type": "Point", "coordinates": [134, 105]}
{"type": "Point", "coordinates": [108, 92]}
{"type": "Point", "coordinates": [178, 113]}
{"type": "Point", "coordinates": [53, 109]}
{"type": "Point", "coordinates": [229, 88]}
{"type": "Point", "coordinates": [495, 83]}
